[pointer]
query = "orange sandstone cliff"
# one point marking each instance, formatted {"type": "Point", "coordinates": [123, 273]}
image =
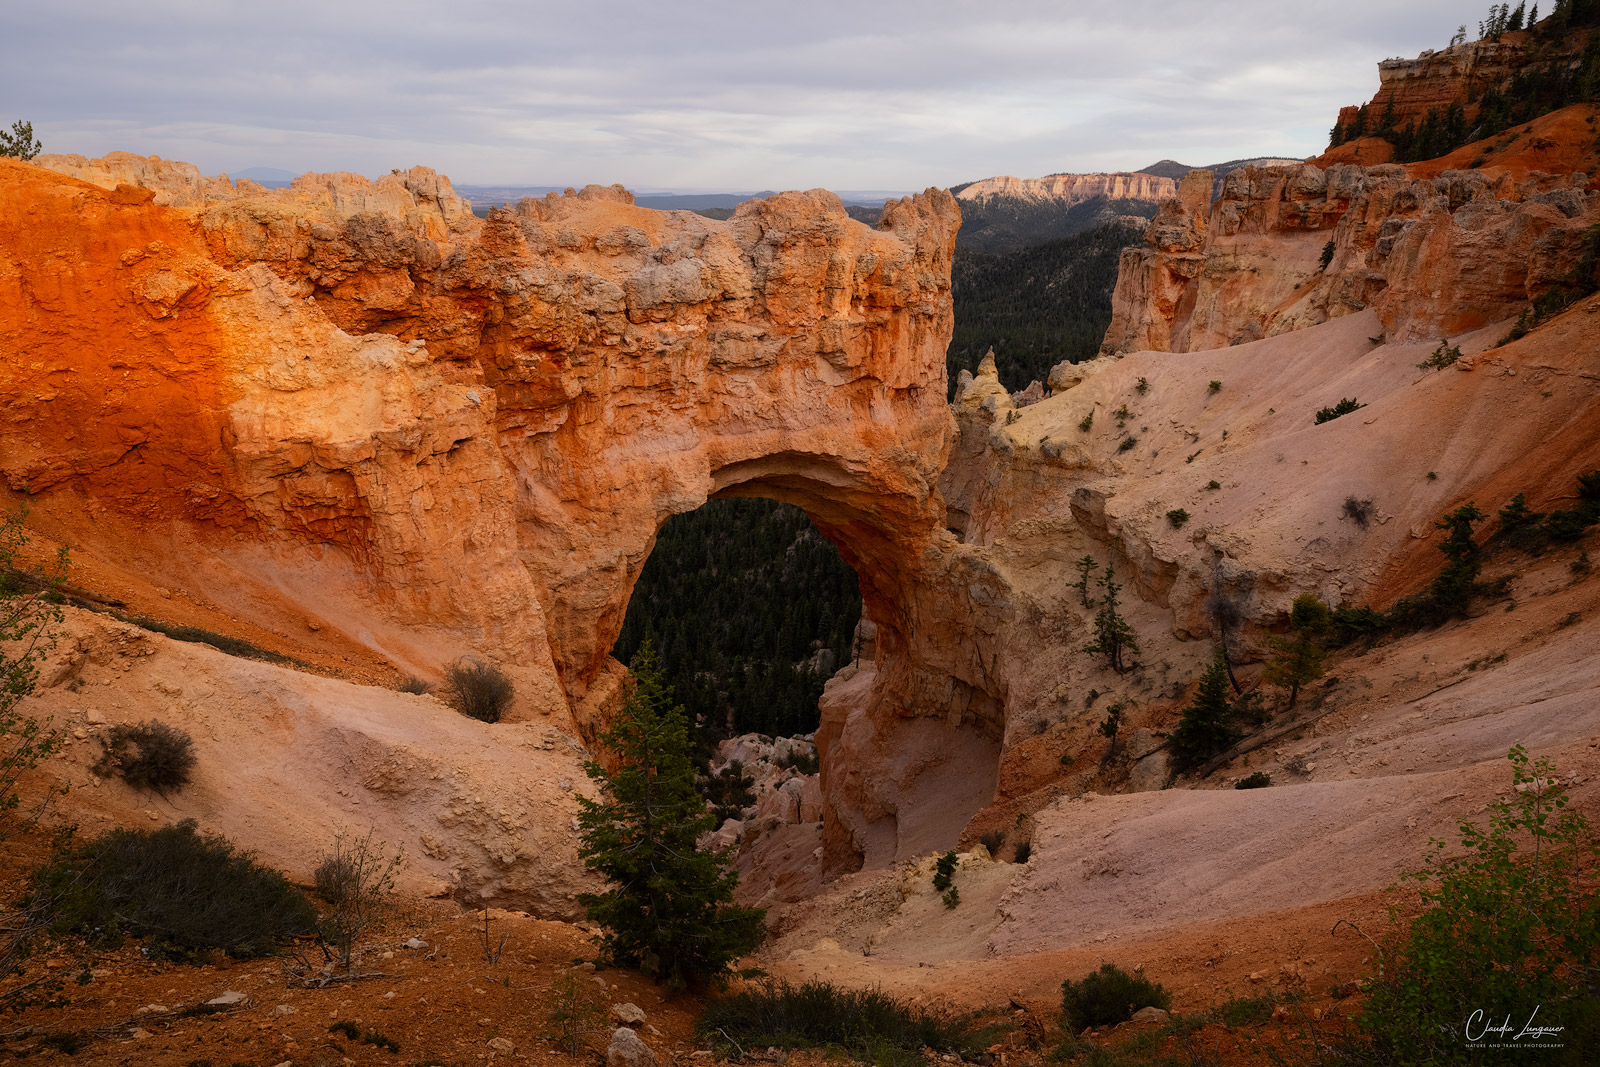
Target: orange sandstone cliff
{"type": "Point", "coordinates": [437, 434]}
{"type": "Point", "coordinates": [1431, 256]}
{"type": "Point", "coordinates": [355, 406]}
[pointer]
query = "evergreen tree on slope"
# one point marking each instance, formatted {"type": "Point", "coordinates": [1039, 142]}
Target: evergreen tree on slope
{"type": "Point", "coordinates": [669, 909]}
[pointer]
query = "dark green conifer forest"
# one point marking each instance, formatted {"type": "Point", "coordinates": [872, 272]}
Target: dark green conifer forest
{"type": "Point", "coordinates": [736, 594]}
{"type": "Point", "coordinates": [1035, 306]}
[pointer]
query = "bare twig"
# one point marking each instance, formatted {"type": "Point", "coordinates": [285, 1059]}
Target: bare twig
{"type": "Point", "coordinates": [1375, 946]}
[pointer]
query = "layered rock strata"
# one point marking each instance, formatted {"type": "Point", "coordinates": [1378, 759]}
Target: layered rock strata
{"type": "Point", "coordinates": [446, 434]}
{"type": "Point", "coordinates": [1431, 256]}
{"type": "Point", "coordinates": [1073, 188]}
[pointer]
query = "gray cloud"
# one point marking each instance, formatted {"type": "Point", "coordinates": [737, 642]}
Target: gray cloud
{"type": "Point", "coordinates": [706, 94]}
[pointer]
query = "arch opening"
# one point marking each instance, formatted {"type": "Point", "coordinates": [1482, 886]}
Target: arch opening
{"type": "Point", "coordinates": [909, 741]}
{"type": "Point", "coordinates": [751, 610]}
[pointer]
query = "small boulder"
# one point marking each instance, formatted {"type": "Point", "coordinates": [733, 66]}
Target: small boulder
{"type": "Point", "coordinates": [1151, 1015]}
{"type": "Point", "coordinates": [628, 1014]}
{"type": "Point", "coordinates": [228, 999]}
{"type": "Point", "coordinates": [627, 1049]}
{"type": "Point", "coordinates": [500, 1044]}
{"type": "Point", "coordinates": [415, 943]}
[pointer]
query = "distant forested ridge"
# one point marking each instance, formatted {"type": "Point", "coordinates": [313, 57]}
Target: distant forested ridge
{"type": "Point", "coordinates": [735, 594]}
{"type": "Point", "coordinates": [1005, 223]}
{"type": "Point", "coordinates": [1035, 306]}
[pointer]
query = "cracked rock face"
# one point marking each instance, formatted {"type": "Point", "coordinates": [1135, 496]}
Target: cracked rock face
{"type": "Point", "coordinates": [448, 434]}
{"type": "Point", "coordinates": [1432, 256]}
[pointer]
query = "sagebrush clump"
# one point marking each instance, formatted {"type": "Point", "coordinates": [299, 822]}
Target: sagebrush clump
{"type": "Point", "coordinates": [184, 892]}
{"type": "Point", "coordinates": [150, 755]}
{"type": "Point", "coordinates": [867, 1023]}
{"type": "Point", "coordinates": [1108, 996]}
{"type": "Point", "coordinates": [478, 690]}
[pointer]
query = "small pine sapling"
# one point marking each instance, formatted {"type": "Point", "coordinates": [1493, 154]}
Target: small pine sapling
{"type": "Point", "coordinates": [1114, 637]}
{"type": "Point", "coordinates": [1298, 656]}
{"type": "Point", "coordinates": [1085, 567]}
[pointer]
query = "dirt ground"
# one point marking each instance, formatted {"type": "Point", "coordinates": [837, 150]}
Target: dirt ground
{"type": "Point", "coordinates": [449, 1003]}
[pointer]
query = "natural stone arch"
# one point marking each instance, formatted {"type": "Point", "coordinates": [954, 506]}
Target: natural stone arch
{"type": "Point", "coordinates": [450, 434]}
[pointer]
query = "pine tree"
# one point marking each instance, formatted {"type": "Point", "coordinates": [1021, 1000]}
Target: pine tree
{"type": "Point", "coordinates": [669, 909]}
{"type": "Point", "coordinates": [20, 143]}
{"type": "Point", "coordinates": [1452, 590]}
{"type": "Point", "coordinates": [1203, 730]}
{"type": "Point", "coordinates": [1085, 565]}
{"type": "Point", "coordinates": [1299, 654]}
{"type": "Point", "coordinates": [1109, 728]}
{"type": "Point", "coordinates": [1112, 634]}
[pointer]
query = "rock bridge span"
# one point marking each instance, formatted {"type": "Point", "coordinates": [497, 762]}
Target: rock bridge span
{"type": "Point", "coordinates": [444, 434]}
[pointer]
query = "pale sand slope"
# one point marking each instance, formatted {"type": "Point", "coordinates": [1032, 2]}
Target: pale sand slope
{"type": "Point", "coordinates": [288, 759]}
{"type": "Point", "coordinates": [1185, 880]}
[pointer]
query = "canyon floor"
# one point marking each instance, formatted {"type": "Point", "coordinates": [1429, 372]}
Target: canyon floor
{"type": "Point", "coordinates": [1217, 893]}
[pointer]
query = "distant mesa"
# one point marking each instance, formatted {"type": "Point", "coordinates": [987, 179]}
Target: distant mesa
{"type": "Point", "coordinates": [1005, 213]}
{"type": "Point", "coordinates": [716, 205]}
{"type": "Point", "coordinates": [1074, 188]}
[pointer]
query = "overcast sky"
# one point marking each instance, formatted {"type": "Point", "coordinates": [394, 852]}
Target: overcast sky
{"type": "Point", "coordinates": [700, 94]}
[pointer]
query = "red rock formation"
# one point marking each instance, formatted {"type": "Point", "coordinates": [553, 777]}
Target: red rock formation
{"type": "Point", "coordinates": [1458, 76]}
{"type": "Point", "coordinates": [1433, 256]}
{"type": "Point", "coordinates": [364, 395]}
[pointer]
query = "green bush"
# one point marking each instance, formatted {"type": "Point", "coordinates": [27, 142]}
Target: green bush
{"type": "Point", "coordinates": [1443, 356]}
{"type": "Point", "coordinates": [1244, 1011]}
{"type": "Point", "coordinates": [1177, 517]}
{"type": "Point", "coordinates": [478, 690]}
{"type": "Point", "coordinates": [1258, 780]}
{"type": "Point", "coordinates": [944, 870]}
{"type": "Point", "coordinates": [1108, 996]}
{"type": "Point", "coordinates": [1344, 407]}
{"type": "Point", "coordinates": [863, 1022]}
{"type": "Point", "coordinates": [354, 1032]}
{"type": "Point", "coordinates": [1327, 255]}
{"type": "Point", "coordinates": [1127, 444]}
{"type": "Point", "coordinates": [800, 760]}
{"type": "Point", "coordinates": [28, 614]}
{"type": "Point", "coordinates": [184, 892]}
{"type": "Point", "coordinates": [414, 685]}
{"type": "Point", "coordinates": [1214, 387]}
{"type": "Point", "coordinates": [1509, 930]}
{"type": "Point", "coordinates": [151, 755]}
